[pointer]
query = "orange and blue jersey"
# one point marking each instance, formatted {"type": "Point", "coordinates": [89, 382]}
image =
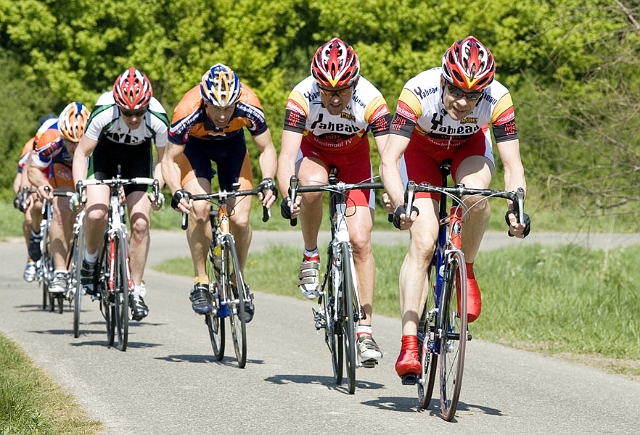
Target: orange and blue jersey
{"type": "Point", "coordinates": [190, 118]}
{"type": "Point", "coordinates": [49, 124]}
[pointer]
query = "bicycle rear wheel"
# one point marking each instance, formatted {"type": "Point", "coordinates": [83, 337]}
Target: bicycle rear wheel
{"type": "Point", "coordinates": [236, 289]}
{"type": "Point", "coordinates": [426, 341]}
{"type": "Point", "coordinates": [333, 330]}
{"type": "Point", "coordinates": [453, 342]}
{"type": "Point", "coordinates": [121, 294]}
{"type": "Point", "coordinates": [349, 316]}
{"type": "Point", "coordinates": [215, 323]}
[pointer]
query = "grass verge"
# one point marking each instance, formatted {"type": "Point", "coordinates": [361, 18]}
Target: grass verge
{"type": "Point", "coordinates": [31, 403]}
{"type": "Point", "coordinates": [566, 301]}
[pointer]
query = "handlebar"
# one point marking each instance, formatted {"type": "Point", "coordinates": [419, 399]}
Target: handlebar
{"type": "Point", "coordinates": [459, 190]}
{"type": "Point", "coordinates": [338, 186]}
{"type": "Point", "coordinates": [223, 196]}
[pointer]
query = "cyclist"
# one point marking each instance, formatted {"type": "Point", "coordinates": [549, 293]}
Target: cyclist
{"type": "Point", "coordinates": [442, 114]}
{"type": "Point", "coordinates": [207, 127]}
{"type": "Point", "coordinates": [51, 168]}
{"type": "Point", "coordinates": [31, 205]}
{"type": "Point", "coordinates": [119, 133]}
{"type": "Point", "coordinates": [327, 119]}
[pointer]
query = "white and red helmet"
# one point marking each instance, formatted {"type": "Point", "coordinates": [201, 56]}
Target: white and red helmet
{"type": "Point", "coordinates": [468, 64]}
{"type": "Point", "coordinates": [335, 64]}
{"type": "Point", "coordinates": [132, 90]}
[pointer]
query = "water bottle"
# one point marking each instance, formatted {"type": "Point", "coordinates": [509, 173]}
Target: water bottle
{"type": "Point", "coordinates": [217, 258]}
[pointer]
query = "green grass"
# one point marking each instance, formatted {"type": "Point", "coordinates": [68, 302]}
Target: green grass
{"type": "Point", "coordinates": [564, 301]}
{"type": "Point", "coordinates": [30, 403]}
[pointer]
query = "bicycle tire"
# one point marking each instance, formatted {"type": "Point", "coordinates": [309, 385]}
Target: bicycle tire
{"type": "Point", "coordinates": [76, 266]}
{"type": "Point", "coordinates": [121, 294]}
{"type": "Point", "coordinates": [215, 323]}
{"type": "Point", "coordinates": [236, 291]}
{"type": "Point", "coordinates": [426, 337]}
{"type": "Point", "coordinates": [453, 326]}
{"type": "Point", "coordinates": [332, 331]}
{"type": "Point", "coordinates": [349, 316]}
{"type": "Point", "coordinates": [46, 268]}
{"type": "Point", "coordinates": [106, 297]}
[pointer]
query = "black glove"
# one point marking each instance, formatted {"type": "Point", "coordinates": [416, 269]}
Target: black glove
{"type": "Point", "coordinates": [268, 183]}
{"type": "Point", "coordinates": [285, 209]}
{"type": "Point", "coordinates": [400, 210]}
{"type": "Point", "coordinates": [177, 196]}
{"type": "Point", "coordinates": [527, 221]}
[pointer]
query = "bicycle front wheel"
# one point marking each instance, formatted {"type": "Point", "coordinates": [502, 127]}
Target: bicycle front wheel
{"type": "Point", "coordinates": [76, 266]}
{"type": "Point", "coordinates": [426, 342]}
{"type": "Point", "coordinates": [350, 315]}
{"type": "Point", "coordinates": [333, 328]}
{"type": "Point", "coordinates": [453, 327]}
{"type": "Point", "coordinates": [235, 292]}
{"type": "Point", "coordinates": [121, 294]}
{"type": "Point", "coordinates": [215, 323]}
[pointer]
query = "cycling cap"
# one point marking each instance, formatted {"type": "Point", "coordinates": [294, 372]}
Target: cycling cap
{"type": "Point", "coordinates": [468, 64]}
{"type": "Point", "coordinates": [132, 90]}
{"type": "Point", "coordinates": [72, 121]}
{"type": "Point", "coordinates": [335, 64]}
{"type": "Point", "coordinates": [220, 86]}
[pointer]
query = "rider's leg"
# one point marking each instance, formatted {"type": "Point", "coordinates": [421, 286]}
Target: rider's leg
{"type": "Point", "coordinates": [139, 207]}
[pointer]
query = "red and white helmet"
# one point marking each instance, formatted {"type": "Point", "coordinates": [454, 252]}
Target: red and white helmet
{"type": "Point", "coordinates": [335, 64]}
{"type": "Point", "coordinates": [72, 121]}
{"type": "Point", "coordinates": [468, 64]}
{"type": "Point", "coordinates": [132, 90]}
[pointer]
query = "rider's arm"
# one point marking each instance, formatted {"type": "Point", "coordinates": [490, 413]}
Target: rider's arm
{"type": "Point", "coordinates": [268, 161]}
{"type": "Point", "coordinates": [513, 170]}
{"type": "Point", "coordinates": [39, 180]}
{"type": "Point", "coordinates": [291, 141]}
{"type": "Point", "coordinates": [390, 167]}
{"type": "Point", "coordinates": [81, 158]}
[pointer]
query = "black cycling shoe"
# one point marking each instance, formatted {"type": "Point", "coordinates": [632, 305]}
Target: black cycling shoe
{"type": "Point", "coordinates": [88, 279]}
{"type": "Point", "coordinates": [139, 309]}
{"type": "Point", "coordinates": [249, 308]}
{"type": "Point", "coordinates": [201, 299]}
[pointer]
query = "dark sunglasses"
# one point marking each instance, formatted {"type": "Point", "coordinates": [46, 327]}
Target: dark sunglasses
{"type": "Point", "coordinates": [339, 92]}
{"type": "Point", "coordinates": [132, 113]}
{"type": "Point", "coordinates": [459, 93]}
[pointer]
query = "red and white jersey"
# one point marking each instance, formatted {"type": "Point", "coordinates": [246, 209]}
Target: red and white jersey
{"type": "Point", "coordinates": [366, 110]}
{"type": "Point", "coordinates": [421, 112]}
{"type": "Point", "coordinates": [106, 120]}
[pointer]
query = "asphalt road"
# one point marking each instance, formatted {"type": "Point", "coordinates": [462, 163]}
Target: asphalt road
{"type": "Point", "coordinates": [168, 381]}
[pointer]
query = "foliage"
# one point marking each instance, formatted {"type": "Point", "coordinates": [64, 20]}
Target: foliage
{"type": "Point", "coordinates": [567, 63]}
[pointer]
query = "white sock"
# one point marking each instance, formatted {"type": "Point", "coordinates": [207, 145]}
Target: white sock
{"type": "Point", "coordinates": [90, 258]}
{"type": "Point", "coordinates": [363, 329]}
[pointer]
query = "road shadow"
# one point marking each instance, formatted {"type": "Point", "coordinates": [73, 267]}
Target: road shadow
{"type": "Point", "coordinates": [327, 381]}
{"type": "Point", "coordinates": [410, 404]}
{"type": "Point", "coordinates": [226, 361]}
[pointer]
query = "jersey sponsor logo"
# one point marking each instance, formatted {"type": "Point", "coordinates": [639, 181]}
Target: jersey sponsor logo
{"type": "Point", "coordinates": [358, 101]}
{"type": "Point", "coordinates": [330, 126]}
{"type": "Point", "coordinates": [310, 96]}
{"type": "Point", "coordinates": [404, 111]}
{"type": "Point", "coordinates": [295, 107]}
{"type": "Point", "coordinates": [424, 93]}
{"type": "Point", "coordinates": [505, 117]}
{"type": "Point", "coordinates": [469, 121]}
{"type": "Point", "coordinates": [47, 152]}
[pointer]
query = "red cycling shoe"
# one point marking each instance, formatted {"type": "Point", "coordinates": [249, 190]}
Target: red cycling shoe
{"type": "Point", "coordinates": [474, 298]}
{"type": "Point", "coordinates": [408, 362]}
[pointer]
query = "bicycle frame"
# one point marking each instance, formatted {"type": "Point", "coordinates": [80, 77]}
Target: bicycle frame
{"type": "Point", "coordinates": [340, 285]}
{"type": "Point", "coordinates": [115, 258]}
{"type": "Point", "coordinates": [443, 331]}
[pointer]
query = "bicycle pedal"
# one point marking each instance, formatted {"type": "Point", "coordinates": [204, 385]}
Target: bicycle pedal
{"type": "Point", "coordinates": [409, 380]}
{"type": "Point", "coordinates": [369, 364]}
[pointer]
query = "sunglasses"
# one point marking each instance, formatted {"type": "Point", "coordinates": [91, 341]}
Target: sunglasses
{"type": "Point", "coordinates": [132, 113]}
{"type": "Point", "coordinates": [338, 92]}
{"type": "Point", "coordinates": [459, 93]}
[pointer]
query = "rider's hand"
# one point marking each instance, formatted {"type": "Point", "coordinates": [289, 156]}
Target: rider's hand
{"type": "Point", "coordinates": [517, 229]}
{"type": "Point", "coordinates": [177, 200]}
{"type": "Point", "coordinates": [45, 191]}
{"type": "Point", "coordinates": [156, 203]}
{"type": "Point", "coordinates": [76, 203]}
{"type": "Point", "coordinates": [387, 203]}
{"type": "Point", "coordinates": [400, 219]}
{"type": "Point", "coordinates": [269, 192]}
{"type": "Point", "coordinates": [285, 208]}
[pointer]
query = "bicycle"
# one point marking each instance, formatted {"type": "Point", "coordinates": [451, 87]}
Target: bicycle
{"type": "Point", "coordinates": [442, 331]}
{"type": "Point", "coordinates": [44, 266]}
{"type": "Point", "coordinates": [340, 309]}
{"type": "Point", "coordinates": [225, 276]}
{"type": "Point", "coordinates": [114, 276]}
